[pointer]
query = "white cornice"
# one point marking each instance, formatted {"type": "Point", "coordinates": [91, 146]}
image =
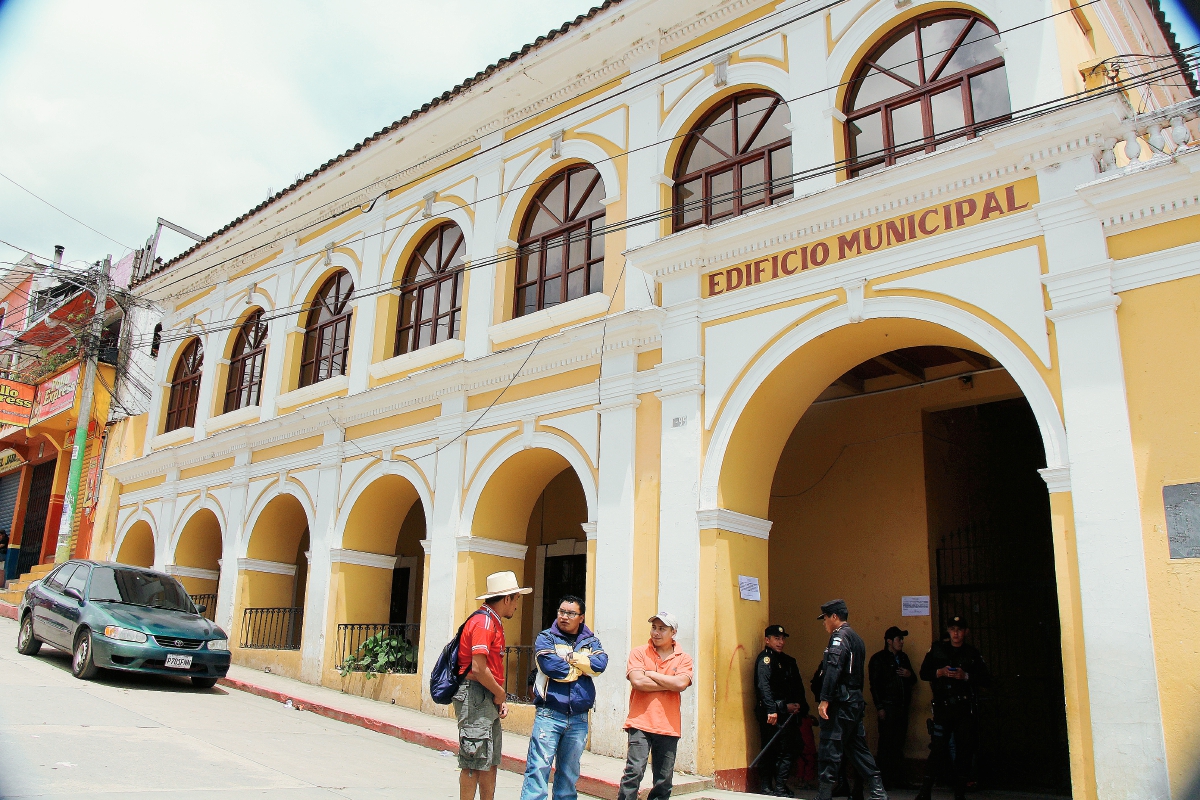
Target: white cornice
{"type": "Point", "coordinates": [180, 571]}
{"type": "Point", "coordinates": [1058, 479]}
{"type": "Point", "coordinates": [589, 530]}
{"type": "Point", "coordinates": [271, 567]}
{"type": "Point", "coordinates": [491, 547]}
{"type": "Point", "coordinates": [733, 522]}
{"type": "Point", "coordinates": [359, 558]}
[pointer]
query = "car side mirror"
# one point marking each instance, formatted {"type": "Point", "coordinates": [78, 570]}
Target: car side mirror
{"type": "Point", "coordinates": [200, 609]}
{"type": "Point", "coordinates": [71, 591]}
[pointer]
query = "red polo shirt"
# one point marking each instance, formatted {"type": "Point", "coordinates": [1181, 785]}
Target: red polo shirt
{"type": "Point", "coordinates": [483, 635]}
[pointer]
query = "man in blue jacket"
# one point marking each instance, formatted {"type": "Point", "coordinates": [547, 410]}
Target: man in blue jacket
{"type": "Point", "coordinates": [568, 655]}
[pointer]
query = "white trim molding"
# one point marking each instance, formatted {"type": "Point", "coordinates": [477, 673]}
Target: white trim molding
{"type": "Point", "coordinates": [589, 530]}
{"type": "Point", "coordinates": [590, 305]}
{"type": "Point", "coordinates": [313, 392]}
{"type": "Point", "coordinates": [181, 571]}
{"type": "Point", "coordinates": [425, 545]}
{"type": "Point", "coordinates": [491, 547]}
{"type": "Point", "coordinates": [270, 567]}
{"type": "Point", "coordinates": [734, 522]}
{"type": "Point", "coordinates": [421, 357]}
{"type": "Point", "coordinates": [361, 559]}
{"type": "Point", "coordinates": [1058, 479]}
{"type": "Point", "coordinates": [172, 438]}
{"type": "Point", "coordinates": [241, 416]}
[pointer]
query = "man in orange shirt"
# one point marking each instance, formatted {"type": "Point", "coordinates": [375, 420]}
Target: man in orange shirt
{"type": "Point", "coordinates": [658, 672]}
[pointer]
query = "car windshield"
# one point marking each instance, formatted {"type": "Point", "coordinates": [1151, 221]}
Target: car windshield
{"type": "Point", "coordinates": [139, 588]}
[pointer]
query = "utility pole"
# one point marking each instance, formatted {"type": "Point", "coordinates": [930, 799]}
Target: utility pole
{"type": "Point", "coordinates": [92, 354]}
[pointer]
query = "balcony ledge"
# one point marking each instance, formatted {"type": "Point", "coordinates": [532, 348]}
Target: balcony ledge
{"type": "Point", "coordinates": [417, 359]}
{"type": "Point", "coordinates": [242, 416]}
{"type": "Point", "coordinates": [591, 305]}
{"type": "Point", "coordinates": [172, 438]}
{"type": "Point", "coordinates": [330, 387]}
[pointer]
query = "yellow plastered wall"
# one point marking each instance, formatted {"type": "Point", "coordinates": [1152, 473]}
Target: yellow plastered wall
{"type": "Point", "coordinates": [137, 549]}
{"type": "Point", "coordinates": [647, 466]}
{"type": "Point", "coordinates": [1156, 323]}
{"type": "Point", "coordinates": [125, 441]}
{"type": "Point", "coordinates": [195, 586]}
{"type": "Point", "coordinates": [200, 542]}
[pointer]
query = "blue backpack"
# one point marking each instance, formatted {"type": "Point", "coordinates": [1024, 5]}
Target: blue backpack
{"type": "Point", "coordinates": [445, 678]}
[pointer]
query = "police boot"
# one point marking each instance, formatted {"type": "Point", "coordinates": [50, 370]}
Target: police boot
{"type": "Point", "coordinates": [875, 788]}
{"type": "Point", "coordinates": [824, 791]}
{"type": "Point", "coordinates": [783, 770]}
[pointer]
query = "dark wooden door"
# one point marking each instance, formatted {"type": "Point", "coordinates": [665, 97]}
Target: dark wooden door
{"type": "Point", "coordinates": [563, 575]}
{"type": "Point", "coordinates": [37, 505]}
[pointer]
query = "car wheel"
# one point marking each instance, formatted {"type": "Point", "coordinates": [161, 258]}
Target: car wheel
{"type": "Point", "coordinates": [82, 665]}
{"type": "Point", "coordinates": [204, 683]}
{"type": "Point", "coordinates": [27, 643]}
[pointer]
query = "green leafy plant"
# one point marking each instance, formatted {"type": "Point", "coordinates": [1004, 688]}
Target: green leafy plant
{"type": "Point", "coordinates": [381, 654]}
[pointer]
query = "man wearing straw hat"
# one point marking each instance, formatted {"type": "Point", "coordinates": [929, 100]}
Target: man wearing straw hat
{"type": "Point", "coordinates": [480, 701]}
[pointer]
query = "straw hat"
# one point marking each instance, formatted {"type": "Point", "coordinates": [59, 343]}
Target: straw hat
{"type": "Point", "coordinates": [502, 583]}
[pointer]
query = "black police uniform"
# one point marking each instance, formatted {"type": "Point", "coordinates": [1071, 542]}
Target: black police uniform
{"type": "Point", "coordinates": [954, 708]}
{"type": "Point", "coordinates": [892, 694]}
{"type": "Point", "coordinates": [777, 683]}
{"type": "Point", "coordinates": [843, 734]}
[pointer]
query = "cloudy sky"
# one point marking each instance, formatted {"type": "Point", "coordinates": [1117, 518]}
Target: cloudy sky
{"type": "Point", "coordinates": [120, 112]}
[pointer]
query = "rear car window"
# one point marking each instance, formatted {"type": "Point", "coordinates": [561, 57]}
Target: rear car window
{"type": "Point", "coordinates": [139, 588]}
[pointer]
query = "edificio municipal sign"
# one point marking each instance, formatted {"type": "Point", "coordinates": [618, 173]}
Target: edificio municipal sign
{"type": "Point", "coordinates": [961, 213]}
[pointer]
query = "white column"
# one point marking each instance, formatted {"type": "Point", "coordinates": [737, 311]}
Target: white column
{"type": "Point", "coordinates": [231, 539]}
{"type": "Point", "coordinates": [1127, 731]}
{"type": "Point", "coordinates": [614, 547]}
{"type": "Point", "coordinates": [681, 391]}
{"type": "Point", "coordinates": [642, 190]}
{"type": "Point", "coordinates": [277, 332]}
{"type": "Point", "coordinates": [316, 597]}
{"type": "Point", "coordinates": [812, 111]}
{"type": "Point", "coordinates": [166, 518]}
{"type": "Point", "coordinates": [213, 353]}
{"type": "Point", "coordinates": [1030, 50]}
{"type": "Point", "coordinates": [481, 247]}
{"type": "Point", "coordinates": [443, 553]}
{"type": "Point", "coordinates": [366, 306]}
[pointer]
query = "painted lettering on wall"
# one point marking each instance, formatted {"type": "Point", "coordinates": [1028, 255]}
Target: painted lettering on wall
{"type": "Point", "coordinates": [933, 221]}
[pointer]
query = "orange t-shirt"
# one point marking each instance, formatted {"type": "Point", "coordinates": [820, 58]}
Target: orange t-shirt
{"type": "Point", "coordinates": [656, 712]}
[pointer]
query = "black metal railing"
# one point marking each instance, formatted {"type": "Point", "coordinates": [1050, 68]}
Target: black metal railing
{"type": "Point", "coordinates": [209, 601]}
{"type": "Point", "coordinates": [378, 647]}
{"type": "Point", "coordinates": [518, 663]}
{"type": "Point", "coordinates": [272, 628]}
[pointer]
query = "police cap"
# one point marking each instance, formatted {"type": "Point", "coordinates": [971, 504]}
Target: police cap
{"type": "Point", "coordinates": [776, 630]}
{"type": "Point", "coordinates": [957, 622]}
{"type": "Point", "coordinates": [835, 607]}
{"type": "Point", "coordinates": [893, 632]}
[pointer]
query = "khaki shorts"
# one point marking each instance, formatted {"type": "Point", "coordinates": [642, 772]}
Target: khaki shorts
{"type": "Point", "coordinates": [479, 733]}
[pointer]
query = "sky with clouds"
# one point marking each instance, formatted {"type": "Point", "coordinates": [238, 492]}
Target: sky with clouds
{"type": "Point", "coordinates": [123, 111]}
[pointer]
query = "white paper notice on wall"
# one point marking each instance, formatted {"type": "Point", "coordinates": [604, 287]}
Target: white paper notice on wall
{"type": "Point", "coordinates": [916, 605]}
{"type": "Point", "coordinates": [748, 587]}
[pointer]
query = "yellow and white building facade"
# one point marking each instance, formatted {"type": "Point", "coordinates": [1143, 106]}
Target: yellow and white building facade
{"type": "Point", "coordinates": [673, 306]}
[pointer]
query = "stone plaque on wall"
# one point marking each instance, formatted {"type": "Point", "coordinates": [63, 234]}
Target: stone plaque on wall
{"type": "Point", "coordinates": [1183, 519]}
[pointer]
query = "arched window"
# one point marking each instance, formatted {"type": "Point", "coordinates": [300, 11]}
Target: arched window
{"type": "Point", "coordinates": [562, 242]}
{"type": "Point", "coordinates": [156, 340]}
{"type": "Point", "coordinates": [738, 158]}
{"type": "Point", "coordinates": [431, 295]}
{"type": "Point", "coordinates": [936, 78]}
{"type": "Point", "coordinates": [185, 387]}
{"type": "Point", "coordinates": [244, 387]}
{"type": "Point", "coordinates": [327, 331]}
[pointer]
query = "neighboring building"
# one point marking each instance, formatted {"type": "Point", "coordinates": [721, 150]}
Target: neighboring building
{"type": "Point", "coordinates": [726, 308]}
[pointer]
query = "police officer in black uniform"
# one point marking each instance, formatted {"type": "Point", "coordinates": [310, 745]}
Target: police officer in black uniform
{"type": "Point", "coordinates": [841, 706]}
{"type": "Point", "coordinates": [780, 692]}
{"type": "Point", "coordinates": [956, 671]}
{"type": "Point", "coordinates": [892, 678]}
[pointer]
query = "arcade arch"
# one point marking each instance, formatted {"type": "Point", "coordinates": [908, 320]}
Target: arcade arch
{"type": "Point", "coordinates": [273, 576]}
{"type": "Point", "coordinates": [198, 553]}
{"type": "Point", "coordinates": [137, 546]}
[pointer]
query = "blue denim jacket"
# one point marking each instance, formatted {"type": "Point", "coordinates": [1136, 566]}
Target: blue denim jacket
{"type": "Point", "coordinates": [564, 694]}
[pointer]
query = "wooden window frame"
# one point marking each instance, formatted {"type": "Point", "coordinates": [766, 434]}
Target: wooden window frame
{"type": "Point", "coordinates": [408, 333]}
{"type": "Point", "coordinates": [327, 341]}
{"type": "Point", "coordinates": [185, 387]}
{"type": "Point", "coordinates": [244, 386]}
{"type": "Point", "coordinates": [774, 190]}
{"type": "Point", "coordinates": [575, 227]}
{"type": "Point", "coordinates": [922, 93]}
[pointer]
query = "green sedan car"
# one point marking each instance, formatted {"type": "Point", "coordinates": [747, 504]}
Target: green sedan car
{"type": "Point", "coordinates": [114, 616]}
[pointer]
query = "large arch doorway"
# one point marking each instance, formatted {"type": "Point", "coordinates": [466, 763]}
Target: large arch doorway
{"type": "Point", "coordinates": [198, 559]}
{"type": "Point", "coordinates": [273, 578]}
{"type": "Point", "coordinates": [378, 582]}
{"type": "Point", "coordinates": [534, 508]}
{"type": "Point", "coordinates": [137, 548]}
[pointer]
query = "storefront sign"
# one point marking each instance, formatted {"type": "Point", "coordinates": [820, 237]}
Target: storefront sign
{"type": "Point", "coordinates": [55, 395]}
{"type": "Point", "coordinates": [10, 459]}
{"type": "Point", "coordinates": [16, 402]}
{"type": "Point", "coordinates": [932, 221]}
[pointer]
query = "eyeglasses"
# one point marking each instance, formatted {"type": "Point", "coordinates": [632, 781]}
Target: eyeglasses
{"type": "Point", "coordinates": [568, 614]}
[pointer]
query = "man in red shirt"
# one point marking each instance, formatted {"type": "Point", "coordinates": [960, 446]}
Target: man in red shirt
{"type": "Point", "coordinates": [480, 701]}
{"type": "Point", "coordinates": [658, 672]}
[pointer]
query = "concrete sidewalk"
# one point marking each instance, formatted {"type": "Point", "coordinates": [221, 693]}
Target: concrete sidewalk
{"type": "Point", "coordinates": [600, 776]}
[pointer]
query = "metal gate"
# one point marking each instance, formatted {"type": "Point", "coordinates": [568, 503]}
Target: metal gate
{"type": "Point", "coordinates": [41, 485]}
{"type": "Point", "coordinates": [1002, 583]}
{"type": "Point", "coordinates": [10, 485]}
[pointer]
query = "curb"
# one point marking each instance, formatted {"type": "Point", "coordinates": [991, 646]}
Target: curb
{"type": "Point", "coordinates": [597, 787]}
{"type": "Point", "coordinates": [8, 610]}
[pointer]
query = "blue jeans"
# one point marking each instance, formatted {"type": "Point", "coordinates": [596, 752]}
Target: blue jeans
{"type": "Point", "coordinates": [558, 739]}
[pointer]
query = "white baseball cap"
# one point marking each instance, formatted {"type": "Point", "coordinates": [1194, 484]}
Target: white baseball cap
{"type": "Point", "coordinates": [666, 618]}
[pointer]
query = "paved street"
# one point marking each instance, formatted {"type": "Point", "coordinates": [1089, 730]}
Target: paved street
{"type": "Point", "coordinates": [124, 735]}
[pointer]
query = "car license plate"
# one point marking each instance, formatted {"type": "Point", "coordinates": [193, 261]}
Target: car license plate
{"type": "Point", "coordinates": [179, 662]}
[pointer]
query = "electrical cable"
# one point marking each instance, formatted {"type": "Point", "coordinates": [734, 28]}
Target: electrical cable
{"type": "Point", "coordinates": [64, 213]}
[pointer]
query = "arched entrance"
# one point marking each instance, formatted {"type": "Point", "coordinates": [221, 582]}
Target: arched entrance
{"type": "Point", "coordinates": [197, 559]}
{"type": "Point", "coordinates": [273, 578]}
{"type": "Point", "coordinates": [897, 464]}
{"type": "Point", "coordinates": [530, 519]}
{"type": "Point", "coordinates": [137, 548]}
{"type": "Point", "coordinates": [377, 582]}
